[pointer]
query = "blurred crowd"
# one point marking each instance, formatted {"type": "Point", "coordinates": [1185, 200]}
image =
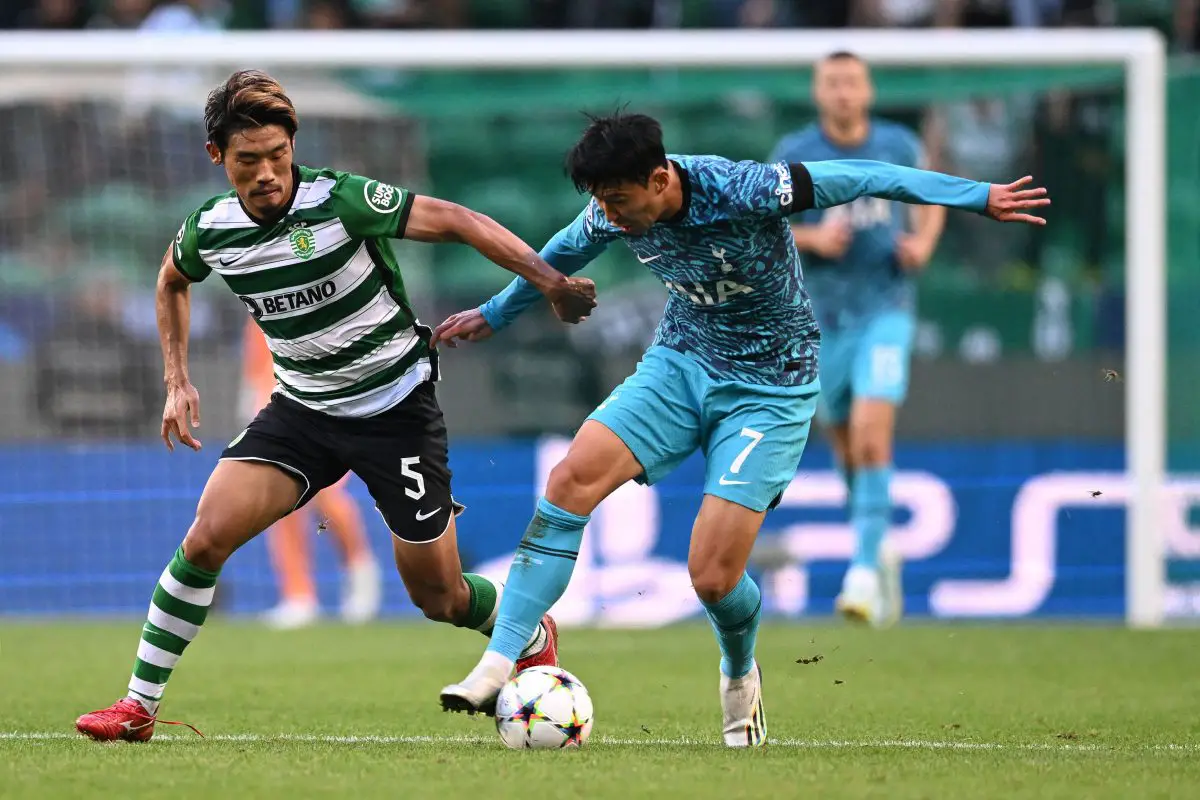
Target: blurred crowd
{"type": "Point", "coordinates": [1178, 18]}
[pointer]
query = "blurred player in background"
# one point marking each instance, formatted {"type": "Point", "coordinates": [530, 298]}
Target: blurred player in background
{"type": "Point", "coordinates": [861, 259]}
{"type": "Point", "coordinates": [288, 540]}
{"type": "Point", "coordinates": [308, 253]}
{"type": "Point", "coordinates": [732, 371]}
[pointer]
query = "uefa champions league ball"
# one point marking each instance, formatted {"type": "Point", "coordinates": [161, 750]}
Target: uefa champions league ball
{"type": "Point", "coordinates": [544, 707]}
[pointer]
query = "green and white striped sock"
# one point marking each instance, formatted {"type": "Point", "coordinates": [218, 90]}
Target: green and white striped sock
{"type": "Point", "coordinates": [177, 610]}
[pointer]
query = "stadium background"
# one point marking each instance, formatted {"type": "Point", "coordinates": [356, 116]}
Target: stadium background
{"type": "Point", "coordinates": [1011, 441]}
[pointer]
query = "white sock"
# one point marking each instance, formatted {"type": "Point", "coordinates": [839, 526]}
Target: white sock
{"type": "Point", "coordinates": [493, 668]}
{"type": "Point", "coordinates": [537, 642]}
{"type": "Point", "coordinates": [151, 706]}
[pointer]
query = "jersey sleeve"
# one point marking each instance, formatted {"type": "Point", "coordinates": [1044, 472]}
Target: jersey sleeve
{"type": "Point", "coordinates": [759, 189]}
{"type": "Point", "coordinates": [371, 209]}
{"type": "Point", "coordinates": [824, 184]}
{"type": "Point", "coordinates": [568, 251]}
{"type": "Point", "coordinates": [185, 252]}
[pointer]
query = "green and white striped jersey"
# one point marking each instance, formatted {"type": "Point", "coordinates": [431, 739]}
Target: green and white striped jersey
{"type": "Point", "coordinates": [323, 284]}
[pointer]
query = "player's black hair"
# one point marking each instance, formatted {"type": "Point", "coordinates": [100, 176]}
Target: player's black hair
{"type": "Point", "coordinates": [842, 55]}
{"type": "Point", "coordinates": [619, 148]}
{"type": "Point", "coordinates": [248, 99]}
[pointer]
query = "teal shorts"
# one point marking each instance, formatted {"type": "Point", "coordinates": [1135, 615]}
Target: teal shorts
{"type": "Point", "coordinates": [752, 436]}
{"type": "Point", "coordinates": [866, 360]}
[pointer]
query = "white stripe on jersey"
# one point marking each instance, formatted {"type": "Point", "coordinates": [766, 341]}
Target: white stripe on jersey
{"type": "Point", "coordinates": [228, 213]}
{"type": "Point", "coordinates": [296, 300]}
{"type": "Point", "coordinates": [313, 194]}
{"type": "Point", "coordinates": [276, 252]}
{"type": "Point", "coordinates": [373, 402]}
{"type": "Point", "coordinates": [375, 362]}
{"type": "Point", "coordinates": [341, 333]}
{"type": "Point", "coordinates": [225, 213]}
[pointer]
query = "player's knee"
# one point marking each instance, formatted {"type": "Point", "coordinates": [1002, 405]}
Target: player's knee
{"type": "Point", "coordinates": [871, 450]}
{"type": "Point", "coordinates": [575, 485]}
{"type": "Point", "coordinates": [439, 603]}
{"type": "Point", "coordinates": [208, 543]}
{"type": "Point", "coordinates": [713, 582]}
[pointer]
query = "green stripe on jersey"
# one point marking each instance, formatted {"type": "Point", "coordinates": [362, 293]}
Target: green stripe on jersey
{"type": "Point", "coordinates": [356, 350]}
{"type": "Point", "coordinates": [295, 274]}
{"type": "Point", "coordinates": [304, 324]}
{"type": "Point", "coordinates": [383, 378]}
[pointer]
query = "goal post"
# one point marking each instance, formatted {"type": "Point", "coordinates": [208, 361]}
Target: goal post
{"type": "Point", "coordinates": [1141, 53]}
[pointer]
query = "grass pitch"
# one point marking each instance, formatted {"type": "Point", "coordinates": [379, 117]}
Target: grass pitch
{"type": "Point", "coordinates": [918, 711]}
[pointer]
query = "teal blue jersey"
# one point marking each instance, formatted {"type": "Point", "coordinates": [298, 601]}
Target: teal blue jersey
{"type": "Point", "coordinates": [866, 280]}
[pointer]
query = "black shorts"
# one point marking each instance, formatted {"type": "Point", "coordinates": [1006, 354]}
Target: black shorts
{"type": "Point", "coordinates": [401, 455]}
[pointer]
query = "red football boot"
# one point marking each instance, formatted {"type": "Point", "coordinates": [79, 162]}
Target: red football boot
{"type": "Point", "coordinates": [548, 655]}
{"type": "Point", "coordinates": [125, 719]}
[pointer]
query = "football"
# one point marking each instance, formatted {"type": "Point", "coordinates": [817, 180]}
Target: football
{"type": "Point", "coordinates": [544, 707]}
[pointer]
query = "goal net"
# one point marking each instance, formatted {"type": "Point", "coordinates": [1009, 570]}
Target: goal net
{"type": "Point", "coordinates": [1032, 466]}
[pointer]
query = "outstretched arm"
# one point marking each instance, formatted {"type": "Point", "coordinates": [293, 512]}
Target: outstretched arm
{"type": "Point", "coordinates": [433, 220]}
{"type": "Point", "coordinates": [568, 251]}
{"type": "Point", "coordinates": [172, 302]}
{"type": "Point", "coordinates": [823, 184]}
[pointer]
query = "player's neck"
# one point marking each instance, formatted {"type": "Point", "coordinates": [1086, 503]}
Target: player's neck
{"type": "Point", "coordinates": [848, 134]}
{"type": "Point", "coordinates": [674, 196]}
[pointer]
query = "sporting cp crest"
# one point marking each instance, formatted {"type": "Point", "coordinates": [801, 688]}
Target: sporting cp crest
{"type": "Point", "coordinates": [303, 241]}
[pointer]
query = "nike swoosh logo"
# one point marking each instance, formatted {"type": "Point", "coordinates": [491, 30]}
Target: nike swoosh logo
{"type": "Point", "coordinates": [726, 482]}
{"type": "Point", "coordinates": [129, 726]}
{"type": "Point", "coordinates": [232, 261]}
{"type": "Point", "coordinates": [648, 260]}
{"type": "Point", "coordinates": [422, 517]}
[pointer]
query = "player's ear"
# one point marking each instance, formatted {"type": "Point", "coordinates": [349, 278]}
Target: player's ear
{"type": "Point", "coordinates": [660, 179]}
{"type": "Point", "coordinates": [214, 153]}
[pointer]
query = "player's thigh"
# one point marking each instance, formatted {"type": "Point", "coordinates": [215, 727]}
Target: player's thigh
{"type": "Point", "coordinates": [268, 471]}
{"type": "Point", "coordinates": [402, 455]}
{"type": "Point", "coordinates": [597, 463]}
{"type": "Point", "coordinates": [836, 369]}
{"type": "Point", "coordinates": [881, 360]}
{"type": "Point", "coordinates": [722, 538]}
{"type": "Point", "coordinates": [755, 438]}
{"type": "Point", "coordinates": [655, 412]}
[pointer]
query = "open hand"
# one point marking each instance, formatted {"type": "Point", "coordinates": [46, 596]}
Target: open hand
{"type": "Point", "coordinates": [183, 407]}
{"type": "Point", "coordinates": [470, 326]}
{"type": "Point", "coordinates": [1009, 203]}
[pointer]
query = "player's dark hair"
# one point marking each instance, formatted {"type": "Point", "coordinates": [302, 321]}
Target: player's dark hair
{"type": "Point", "coordinates": [842, 55]}
{"type": "Point", "coordinates": [249, 99]}
{"type": "Point", "coordinates": [620, 148]}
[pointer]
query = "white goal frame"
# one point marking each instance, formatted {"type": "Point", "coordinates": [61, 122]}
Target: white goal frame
{"type": "Point", "coordinates": [1142, 53]}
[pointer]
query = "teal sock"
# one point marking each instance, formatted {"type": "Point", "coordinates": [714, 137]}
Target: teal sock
{"type": "Point", "coordinates": [538, 576]}
{"type": "Point", "coordinates": [870, 512]}
{"type": "Point", "coordinates": [735, 620]}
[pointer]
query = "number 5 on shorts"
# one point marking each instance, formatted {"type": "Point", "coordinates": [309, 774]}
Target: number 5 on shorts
{"type": "Point", "coordinates": [755, 437]}
{"type": "Point", "coordinates": [406, 469]}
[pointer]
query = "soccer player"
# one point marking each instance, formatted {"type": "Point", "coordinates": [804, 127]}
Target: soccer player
{"type": "Point", "coordinates": [861, 260]}
{"type": "Point", "coordinates": [306, 251]}
{"type": "Point", "coordinates": [732, 370]}
{"type": "Point", "coordinates": [287, 540]}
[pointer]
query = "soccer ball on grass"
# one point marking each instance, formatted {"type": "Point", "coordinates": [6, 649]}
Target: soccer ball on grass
{"type": "Point", "coordinates": [544, 708]}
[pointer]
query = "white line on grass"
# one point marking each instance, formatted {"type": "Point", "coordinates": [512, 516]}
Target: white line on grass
{"type": "Point", "coordinates": [801, 744]}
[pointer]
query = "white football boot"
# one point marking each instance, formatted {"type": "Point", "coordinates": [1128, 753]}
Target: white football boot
{"type": "Point", "coordinates": [744, 718]}
{"type": "Point", "coordinates": [290, 615]}
{"type": "Point", "coordinates": [362, 592]}
{"type": "Point", "coordinates": [873, 596]}
{"type": "Point", "coordinates": [477, 692]}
